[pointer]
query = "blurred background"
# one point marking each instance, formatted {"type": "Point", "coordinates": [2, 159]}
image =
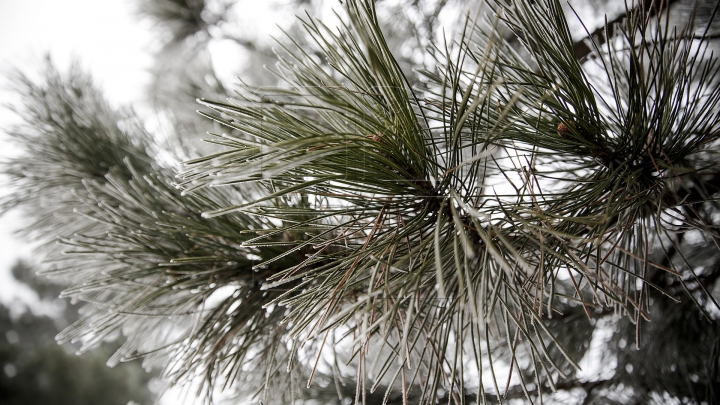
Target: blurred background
{"type": "Point", "coordinates": [157, 57]}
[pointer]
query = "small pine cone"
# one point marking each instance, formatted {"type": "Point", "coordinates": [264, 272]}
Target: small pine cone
{"type": "Point", "coordinates": [376, 137]}
{"type": "Point", "coordinates": [563, 130]}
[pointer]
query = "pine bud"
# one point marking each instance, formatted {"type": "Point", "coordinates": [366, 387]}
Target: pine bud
{"type": "Point", "coordinates": [563, 130]}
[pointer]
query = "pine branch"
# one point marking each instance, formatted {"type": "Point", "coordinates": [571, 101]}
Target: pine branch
{"type": "Point", "coordinates": [422, 238]}
{"type": "Point", "coordinates": [69, 135]}
{"type": "Point", "coordinates": [648, 8]}
{"type": "Point", "coordinates": [541, 232]}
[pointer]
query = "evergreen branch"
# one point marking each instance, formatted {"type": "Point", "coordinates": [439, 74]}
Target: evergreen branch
{"type": "Point", "coordinates": [600, 35]}
{"type": "Point", "coordinates": [69, 135]}
{"type": "Point", "coordinates": [428, 237]}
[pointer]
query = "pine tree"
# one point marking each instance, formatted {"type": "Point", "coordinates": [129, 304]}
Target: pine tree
{"type": "Point", "coordinates": [457, 236]}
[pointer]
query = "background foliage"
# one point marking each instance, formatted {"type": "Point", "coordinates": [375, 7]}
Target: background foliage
{"type": "Point", "coordinates": [37, 370]}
